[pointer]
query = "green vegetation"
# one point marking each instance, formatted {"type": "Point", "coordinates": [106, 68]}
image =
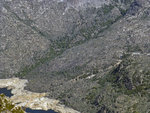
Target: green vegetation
{"type": "Point", "coordinates": [123, 11]}
{"type": "Point", "coordinates": [7, 106]}
{"type": "Point", "coordinates": [89, 33]}
{"type": "Point", "coordinates": [70, 73]}
{"type": "Point", "coordinates": [107, 8]}
{"type": "Point", "coordinates": [120, 86]}
{"type": "Point", "coordinates": [91, 96]}
{"type": "Point", "coordinates": [135, 48]}
{"type": "Point", "coordinates": [120, 78]}
{"type": "Point", "coordinates": [50, 55]}
{"type": "Point", "coordinates": [60, 45]}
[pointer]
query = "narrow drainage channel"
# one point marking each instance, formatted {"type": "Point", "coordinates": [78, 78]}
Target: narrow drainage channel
{"type": "Point", "coordinates": [28, 110]}
{"type": "Point", "coordinates": [6, 92]}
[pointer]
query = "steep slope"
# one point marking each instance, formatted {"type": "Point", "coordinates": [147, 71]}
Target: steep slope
{"type": "Point", "coordinates": [35, 29]}
{"type": "Point", "coordinates": [69, 73]}
{"type": "Point", "coordinates": [93, 59]}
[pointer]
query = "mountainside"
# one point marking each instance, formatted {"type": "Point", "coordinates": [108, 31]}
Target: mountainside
{"type": "Point", "coordinates": [92, 55]}
{"type": "Point", "coordinates": [35, 28]}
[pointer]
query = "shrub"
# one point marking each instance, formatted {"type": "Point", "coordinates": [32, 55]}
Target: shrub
{"type": "Point", "coordinates": [6, 106]}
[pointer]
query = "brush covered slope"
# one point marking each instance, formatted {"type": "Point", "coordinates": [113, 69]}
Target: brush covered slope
{"type": "Point", "coordinates": [93, 56]}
